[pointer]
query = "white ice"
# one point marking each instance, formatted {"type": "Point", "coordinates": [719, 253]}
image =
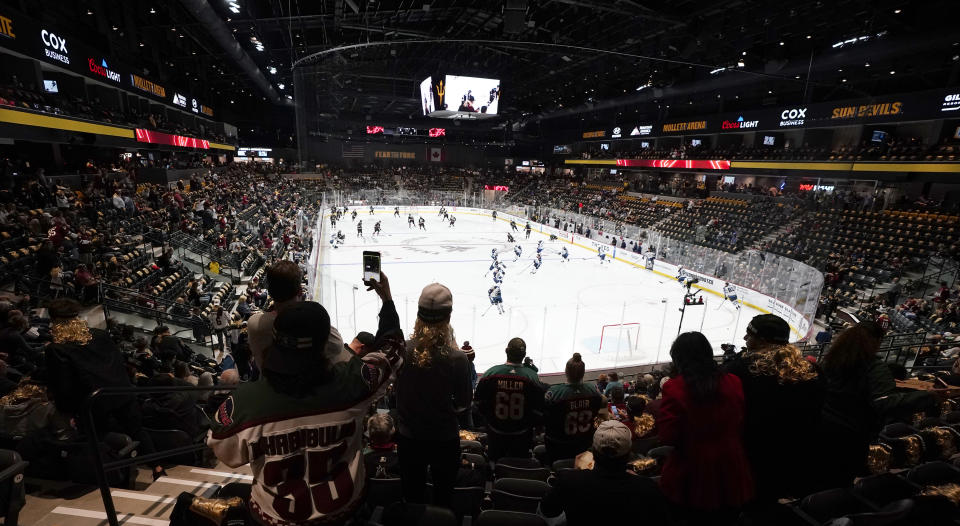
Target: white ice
{"type": "Point", "coordinates": [559, 310]}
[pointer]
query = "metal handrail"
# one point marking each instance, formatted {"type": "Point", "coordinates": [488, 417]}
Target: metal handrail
{"type": "Point", "coordinates": [100, 468]}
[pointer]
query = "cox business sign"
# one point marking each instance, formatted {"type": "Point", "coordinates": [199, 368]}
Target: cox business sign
{"type": "Point", "coordinates": [55, 47]}
{"type": "Point", "coordinates": [792, 117]}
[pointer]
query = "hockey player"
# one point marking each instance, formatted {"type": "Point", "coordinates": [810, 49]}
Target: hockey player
{"type": "Point", "coordinates": [371, 209]}
{"type": "Point", "coordinates": [333, 221]}
{"type": "Point", "coordinates": [602, 254]}
{"type": "Point", "coordinates": [681, 277]}
{"type": "Point", "coordinates": [528, 228]}
{"type": "Point", "coordinates": [536, 264]}
{"type": "Point", "coordinates": [453, 221]}
{"type": "Point", "coordinates": [376, 228]}
{"type": "Point", "coordinates": [396, 211]}
{"type": "Point", "coordinates": [513, 225]}
{"type": "Point", "coordinates": [517, 250]}
{"type": "Point", "coordinates": [442, 211]}
{"type": "Point", "coordinates": [423, 224]}
{"type": "Point", "coordinates": [494, 215]}
{"type": "Point", "coordinates": [360, 228]}
{"type": "Point", "coordinates": [333, 240]}
{"type": "Point", "coordinates": [730, 293]}
{"type": "Point", "coordinates": [564, 255]}
{"type": "Point", "coordinates": [353, 215]}
{"type": "Point", "coordinates": [510, 238]}
{"type": "Point", "coordinates": [539, 247]}
{"type": "Point", "coordinates": [410, 222]}
{"type": "Point", "coordinates": [495, 298]}
{"type": "Point", "coordinates": [497, 276]}
{"type": "Point", "coordinates": [494, 254]}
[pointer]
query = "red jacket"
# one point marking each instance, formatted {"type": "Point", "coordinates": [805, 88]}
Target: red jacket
{"type": "Point", "coordinates": [708, 468]}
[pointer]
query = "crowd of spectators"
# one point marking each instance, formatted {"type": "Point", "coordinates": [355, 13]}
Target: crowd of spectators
{"type": "Point", "coordinates": [724, 442]}
{"type": "Point", "coordinates": [18, 94]}
{"type": "Point", "coordinates": [888, 149]}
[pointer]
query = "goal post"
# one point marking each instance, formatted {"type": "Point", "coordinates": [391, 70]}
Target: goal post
{"type": "Point", "coordinates": [619, 336]}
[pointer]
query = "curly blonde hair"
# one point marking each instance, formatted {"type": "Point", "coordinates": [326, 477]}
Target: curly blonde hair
{"type": "Point", "coordinates": [431, 341]}
{"type": "Point", "coordinates": [785, 362]}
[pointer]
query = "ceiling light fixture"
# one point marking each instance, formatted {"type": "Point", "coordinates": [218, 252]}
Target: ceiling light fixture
{"type": "Point", "coordinates": [89, 11]}
{"type": "Point", "coordinates": [153, 11]}
{"type": "Point", "coordinates": [281, 86]}
{"type": "Point", "coordinates": [892, 72]}
{"type": "Point", "coordinates": [781, 42]}
{"type": "Point", "coordinates": [272, 70]}
{"type": "Point", "coordinates": [896, 11]}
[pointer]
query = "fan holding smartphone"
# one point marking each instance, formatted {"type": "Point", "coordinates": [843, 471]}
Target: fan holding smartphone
{"type": "Point", "coordinates": [371, 266]}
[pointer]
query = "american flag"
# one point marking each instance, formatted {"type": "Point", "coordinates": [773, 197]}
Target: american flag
{"type": "Point", "coordinates": [352, 151]}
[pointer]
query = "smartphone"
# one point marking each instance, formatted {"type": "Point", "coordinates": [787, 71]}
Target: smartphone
{"type": "Point", "coordinates": [371, 265]}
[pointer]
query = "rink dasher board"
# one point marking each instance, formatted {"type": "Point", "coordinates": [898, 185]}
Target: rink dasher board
{"type": "Point", "coordinates": [799, 325]}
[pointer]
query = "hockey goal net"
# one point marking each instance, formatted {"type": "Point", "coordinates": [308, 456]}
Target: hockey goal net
{"type": "Point", "coordinates": [624, 337]}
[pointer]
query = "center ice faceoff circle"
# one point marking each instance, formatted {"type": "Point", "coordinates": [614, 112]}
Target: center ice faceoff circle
{"type": "Point", "coordinates": [614, 312]}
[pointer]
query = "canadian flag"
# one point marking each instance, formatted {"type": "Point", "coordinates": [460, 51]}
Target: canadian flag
{"type": "Point", "coordinates": [435, 154]}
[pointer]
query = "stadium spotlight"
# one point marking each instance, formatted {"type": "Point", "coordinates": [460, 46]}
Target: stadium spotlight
{"type": "Point", "coordinates": [272, 70]}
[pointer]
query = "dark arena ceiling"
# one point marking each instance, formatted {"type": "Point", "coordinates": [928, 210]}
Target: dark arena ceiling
{"type": "Point", "coordinates": [591, 60]}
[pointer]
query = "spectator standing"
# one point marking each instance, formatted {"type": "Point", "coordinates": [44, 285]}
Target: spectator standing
{"type": "Point", "coordinates": [308, 412]}
{"type": "Point", "coordinates": [577, 493]}
{"type": "Point", "coordinates": [569, 413]}
{"type": "Point", "coordinates": [511, 400]}
{"type": "Point", "coordinates": [602, 382]}
{"type": "Point", "coordinates": [432, 390]}
{"type": "Point", "coordinates": [784, 396]}
{"type": "Point", "coordinates": [220, 322]}
{"type": "Point", "coordinates": [468, 351]}
{"type": "Point", "coordinates": [707, 475]}
{"type": "Point", "coordinates": [861, 397]}
{"type": "Point", "coordinates": [614, 383]}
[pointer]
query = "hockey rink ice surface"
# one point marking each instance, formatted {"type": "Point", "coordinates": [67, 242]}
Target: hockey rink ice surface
{"type": "Point", "coordinates": [561, 309]}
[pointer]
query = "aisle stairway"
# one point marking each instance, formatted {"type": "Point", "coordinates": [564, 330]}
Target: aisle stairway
{"type": "Point", "coordinates": [150, 507]}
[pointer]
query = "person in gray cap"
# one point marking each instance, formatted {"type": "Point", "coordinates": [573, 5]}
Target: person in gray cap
{"type": "Point", "coordinates": [300, 427]}
{"type": "Point", "coordinates": [783, 393]}
{"type": "Point", "coordinates": [577, 493]}
{"type": "Point", "coordinates": [432, 391]}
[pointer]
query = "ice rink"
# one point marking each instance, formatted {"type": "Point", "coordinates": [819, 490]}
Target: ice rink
{"type": "Point", "coordinates": [560, 309]}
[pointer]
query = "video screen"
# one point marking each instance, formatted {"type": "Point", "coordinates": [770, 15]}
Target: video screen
{"type": "Point", "coordinates": [426, 96]}
{"type": "Point", "coordinates": [644, 144]}
{"type": "Point", "coordinates": [879, 136]}
{"type": "Point", "coordinates": [471, 95]}
{"type": "Point", "coordinates": [562, 148]}
{"type": "Point", "coordinates": [604, 146]}
{"type": "Point", "coordinates": [50, 86]}
{"type": "Point", "coordinates": [769, 140]}
{"type": "Point", "coordinates": [695, 142]}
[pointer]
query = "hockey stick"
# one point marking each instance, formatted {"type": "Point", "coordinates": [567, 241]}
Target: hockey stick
{"type": "Point", "coordinates": [486, 311]}
{"type": "Point", "coordinates": [721, 304]}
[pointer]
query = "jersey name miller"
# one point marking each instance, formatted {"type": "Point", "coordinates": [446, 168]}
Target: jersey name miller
{"type": "Point", "coordinates": [312, 437]}
{"type": "Point", "coordinates": [510, 385]}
